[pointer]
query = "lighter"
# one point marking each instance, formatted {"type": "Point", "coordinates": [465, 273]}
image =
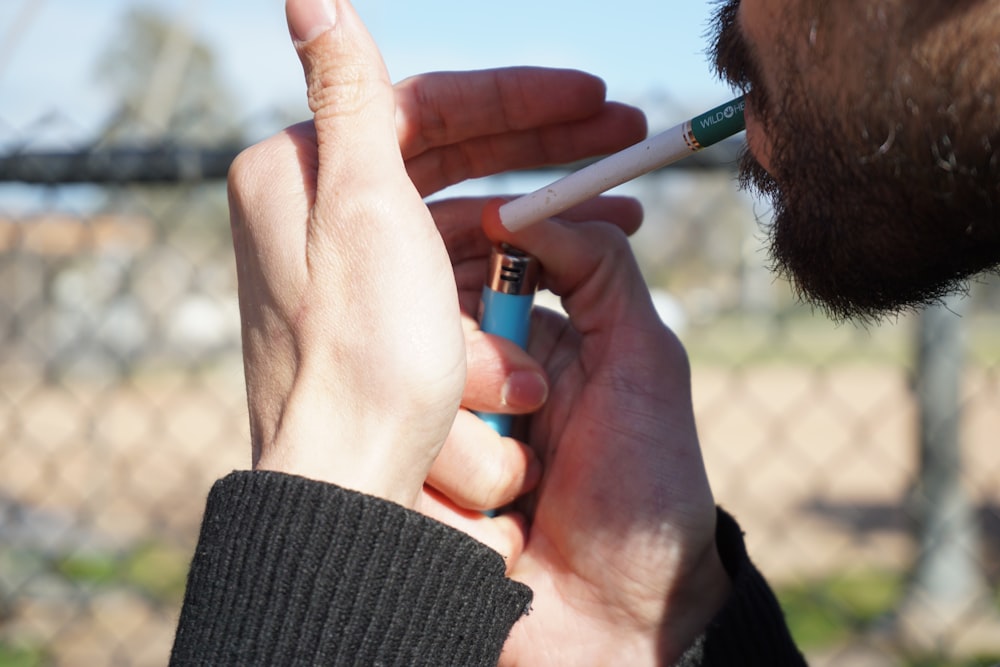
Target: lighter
{"type": "Point", "coordinates": [505, 308]}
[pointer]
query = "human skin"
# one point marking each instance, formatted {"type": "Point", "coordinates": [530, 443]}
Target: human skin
{"type": "Point", "coordinates": [333, 381]}
{"type": "Point", "coordinates": [873, 127]}
{"type": "Point", "coordinates": [621, 550]}
{"type": "Point", "coordinates": [359, 375]}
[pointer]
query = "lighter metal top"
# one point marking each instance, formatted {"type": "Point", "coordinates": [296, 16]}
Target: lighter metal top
{"type": "Point", "coordinates": [512, 271]}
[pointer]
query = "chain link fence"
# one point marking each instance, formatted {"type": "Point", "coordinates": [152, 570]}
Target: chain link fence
{"type": "Point", "coordinates": [122, 400]}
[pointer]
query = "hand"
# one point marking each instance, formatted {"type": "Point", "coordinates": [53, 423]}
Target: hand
{"type": "Point", "coordinates": [330, 229]}
{"type": "Point", "coordinates": [475, 461]}
{"type": "Point", "coordinates": [621, 548]}
{"type": "Point", "coordinates": [353, 346]}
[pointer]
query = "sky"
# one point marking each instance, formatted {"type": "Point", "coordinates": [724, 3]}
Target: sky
{"type": "Point", "coordinates": [650, 52]}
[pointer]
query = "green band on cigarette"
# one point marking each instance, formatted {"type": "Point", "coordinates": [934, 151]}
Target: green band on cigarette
{"type": "Point", "coordinates": [719, 123]}
{"type": "Point", "coordinates": [665, 148]}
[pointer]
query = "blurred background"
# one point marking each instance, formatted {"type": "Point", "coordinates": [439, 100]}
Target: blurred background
{"type": "Point", "coordinates": [863, 463]}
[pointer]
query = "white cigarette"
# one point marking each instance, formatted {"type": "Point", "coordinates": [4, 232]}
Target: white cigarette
{"type": "Point", "coordinates": [658, 151]}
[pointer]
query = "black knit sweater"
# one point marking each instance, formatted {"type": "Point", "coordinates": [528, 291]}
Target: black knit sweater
{"type": "Point", "coordinates": [290, 571]}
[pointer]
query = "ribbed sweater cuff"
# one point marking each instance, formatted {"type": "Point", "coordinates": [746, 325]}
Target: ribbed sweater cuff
{"type": "Point", "coordinates": [750, 630]}
{"type": "Point", "coordinates": [291, 571]}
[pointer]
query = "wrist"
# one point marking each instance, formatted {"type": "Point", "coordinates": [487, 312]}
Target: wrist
{"type": "Point", "coordinates": [317, 434]}
{"type": "Point", "coordinates": [702, 594]}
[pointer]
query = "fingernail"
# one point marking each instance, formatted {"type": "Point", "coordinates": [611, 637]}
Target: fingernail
{"type": "Point", "coordinates": [308, 19]}
{"type": "Point", "coordinates": [524, 389]}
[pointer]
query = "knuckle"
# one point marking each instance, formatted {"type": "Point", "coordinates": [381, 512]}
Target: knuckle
{"type": "Point", "coordinates": [613, 238]}
{"type": "Point", "coordinates": [250, 169]}
{"type": "Point", "coordinates": [342, 89]}
{"type": "Point", "coordinates": [501, 484]}
{"type": "Point", "coordinates": [243, 168]}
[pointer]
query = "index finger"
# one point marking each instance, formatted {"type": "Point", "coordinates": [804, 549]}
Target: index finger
{"type": "Point", "coordinates": [442, 108]}
{"type": "Point", "coordinates": [458, 125]}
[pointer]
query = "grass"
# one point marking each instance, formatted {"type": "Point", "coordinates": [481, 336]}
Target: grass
{"type": "Point", "coordinates": [939, 661]}
{"type": "Point", "coordinates": [20, 655]}
{"type": "Point", "coordinates": [807, 339]}
{"type": "Point", "coordinates": [153, 570]}
{"type": "Point", "coordinates": [800, 339]}
{"type": "Point", "coordinates": [156, 570]}
{"type": "Point", "coordinates": [829, 612]}
{"type": "Point", "coordinates": [822, 613]}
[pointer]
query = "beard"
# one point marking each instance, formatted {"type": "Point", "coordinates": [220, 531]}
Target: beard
{"type": "Point", "coordinates": [876, 209]}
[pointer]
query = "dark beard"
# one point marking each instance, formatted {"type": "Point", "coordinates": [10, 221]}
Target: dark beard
{"type": "Point", "coordinates": [866, 243]}
{"type": "Point", "coordinates": [876, 210]}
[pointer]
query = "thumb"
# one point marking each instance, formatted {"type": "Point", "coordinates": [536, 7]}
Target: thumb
{"type": "Point", "coordinates": [349, 90]}
{"type": "Point", "coordinates": [590, 265]}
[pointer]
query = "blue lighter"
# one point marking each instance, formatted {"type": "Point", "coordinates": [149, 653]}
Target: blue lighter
{"type": "Point", "coordinates": [505, 308]}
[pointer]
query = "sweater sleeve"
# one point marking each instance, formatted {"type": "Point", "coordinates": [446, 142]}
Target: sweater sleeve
{"type": "Point", "coordinates": [750, 630]}
{"type": "Point", "coordinates": [291, 571]}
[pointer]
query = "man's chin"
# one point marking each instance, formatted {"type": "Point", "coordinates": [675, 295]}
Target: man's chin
{"type": "Point", "coordinates": [844, 294]}
{"type": "Point", "coordinates": [849, 274]}
{"type": "Point", "coordinates": [859, 242]}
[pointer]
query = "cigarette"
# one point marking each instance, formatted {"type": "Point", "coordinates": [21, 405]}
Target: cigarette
{"type": "Point", "coordinates": [658, 151]}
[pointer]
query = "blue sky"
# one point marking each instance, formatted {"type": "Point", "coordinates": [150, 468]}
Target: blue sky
{"type": "Point", "coordinates": [645, 49]}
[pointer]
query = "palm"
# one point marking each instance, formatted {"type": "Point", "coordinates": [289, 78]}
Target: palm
{"type": "Point", "coordinates": [624, 511]}
{"type": "Point", "coordinates": [624, 508]}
